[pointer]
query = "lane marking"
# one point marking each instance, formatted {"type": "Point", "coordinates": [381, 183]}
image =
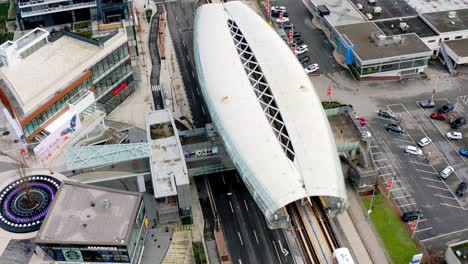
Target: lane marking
{"type": "Point", "coordinates": [443, 189]}
{"type": "Point", "coordinates": [419, 163]}
{"type": "Point", "coordinates": [198, 92]}
{"type": "Point", "coordinates": [183, 43]}
{"type": "Point", "coordinates": [447, 234]}
{"type": "Point", "coordinates": [232, 209]}
{"type": "Point", "coordinates": [240, 238]}
{"type": "Point", "coordinates": [431, 172]}
{"type": "Point", "coordinates": [449, 205]}
{"type": "Point", "coordinates": [256, 238]}
{"type": "Point", "coordinates": [380, 159]}
{"type": "Point", "coordinates": [240, 261]}
{"type": "Point", "coordinates": [397, 189]}
{"type": "Point", "coordinates": [247, 208]}
{"type": "Point", "coordinates": [375, 153]}
{"type": "Point", "coordinates": [438, 195]}
{"type": "Point", "coordinates": [237, 177]}
{"type": "Point", "coordinates": [406, 205]}
{"type": "Point", "coordinates": [425, 229]}
{"type": "Point", "coordinates": [188, 57]}
{"type": "Point", "coordinates": [276, 250]}
{"type": "Point", "coordinates": [203, 109]}
{"type": "Point", "coordinates": [400, 197]}
{"type": "Point", "coordinates": [427, 179]}
{"type": "Point", "coordinates": [222, 177]}
{"type": "Point", "coordinates": [193, 75]}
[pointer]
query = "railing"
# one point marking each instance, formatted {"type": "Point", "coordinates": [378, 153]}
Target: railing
{"type": "Point", "coordinates": [38, 3]}
{"type": "Point", "coordinates": [57, 9]}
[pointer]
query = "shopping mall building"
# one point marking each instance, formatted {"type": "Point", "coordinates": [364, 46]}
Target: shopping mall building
{"type": "Point", "coordinates": [49, 84]}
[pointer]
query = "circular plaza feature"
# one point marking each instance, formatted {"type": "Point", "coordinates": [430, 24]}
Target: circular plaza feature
{"type": "Point", "coordinates": [25, 202]}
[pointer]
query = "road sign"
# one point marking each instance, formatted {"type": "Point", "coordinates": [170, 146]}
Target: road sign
{"type": "Point", "coordinates": [389, 185]}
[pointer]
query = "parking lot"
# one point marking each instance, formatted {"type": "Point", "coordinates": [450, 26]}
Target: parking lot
{"type": "Point", "coordinates": [417, 184]}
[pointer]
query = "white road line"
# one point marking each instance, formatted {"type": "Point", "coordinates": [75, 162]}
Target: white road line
{"type": "Point", "coordinates": [256, 238]}
{"type": "Point", "coordinates": [246, 207]}
{"type": "Point", "coordinates": [419, 163]}
{"type": "Point", "coordinates": [240, 238]}
{"type": "Point", "coordinates": [232, 209]}
{"type": "Point", "coordinates": [237, 177]}
{"type": "Point", "coordinates": [404, 205]}
{"type": "Point", "coordinates": [443, 196]}
{"type": "Point", "coordinates": [432, 186]}
{"type": "Point", "coordinates": [203, 110]}
{"type": "Point", "coordinates": [193, 75]}
{"type": "Point", "coordinates": [401, 197]}
{"type": "Point", "coordinates": [188, 58]}
{"type": "Point", "coordinates": [451, 205]}
{"type": "Point", "coordinates": [375, 153]}
{"type": "Point", "coordinates": [409, 142]}
{"type": "Point", "coordinates": [176, 18]}
{"type": "Point", "coordinates": [240, 261]}
{"type": "Point", "coordinates": [183, 43]}
{"type": "Point", "coordinates": [198, 92]}
{"type": "Point", "coordinates": [425, 229]}
{"type": "Point", "coordinates": [397, 189]}
{"type": "Point", "coordinates": [380, 160]}
{"type": "Point", "coordinates": [386, 174]}
{"type": "Point", "coordinates": [222, 177]}
{"type": "Point", "coordinates": [431, 172]}
{"type": "Point", "coordinates": [447, 234]}
{"type": "Point", "coordinates": [180, 31]}
{"type": "Point", "coordinates": [277, 254]}
{"type": "Point", "coordinates": [427, 179]}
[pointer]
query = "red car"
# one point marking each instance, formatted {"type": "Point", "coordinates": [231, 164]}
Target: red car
{"type": "Point", "coordinates": [362, 121]}
{"type": "Point", "coordinates": [440, 116]}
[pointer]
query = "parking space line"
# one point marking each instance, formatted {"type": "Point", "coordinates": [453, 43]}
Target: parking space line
{"type": "Point", "coordinates": [431, 172]}
{"type": "Point", "coordinates": [380, 160]}
{"type": "Point", "coordinates": [447, 234]}
{"type": "Point", "coordinates": [375, 153]}
{"type": "Point", "coordinates": [422, 220]}
{"type": "Point", "coordinates": [443, 196]}
{"type": "Point", "coordinates": [386, 174]}
{"type": "Point", "coordinates": [401, 197]}
{"type": "Point", "coordinates": [409, 142]}
{"type": "Point", "coordinates": [386, 166]}
{"type": "Point", "coordinates": [427, 179]}
{"type": "Point", "coordinates": [452, 205]}
{"type": "Point", "coordinates": [444, 189]}
{"type": "Point", "coordinates": [406, 205]}
{"type": "Point", "coordinates": [425, 229]}
{"type": "Point", "coordinates": [419, 163]}
{"type": "Point", "coordinates": [397, 189]}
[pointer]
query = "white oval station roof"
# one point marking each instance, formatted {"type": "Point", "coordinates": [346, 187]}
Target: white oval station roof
{"type": "Point", "coordinates": [233, 102]}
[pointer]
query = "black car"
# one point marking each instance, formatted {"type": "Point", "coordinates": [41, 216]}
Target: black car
{"type": "Point", "coordinates": [297, 34]}
{"type": "Point", "coordinates": [298, 42]}
{"type": "Point", "coordinates": [446, 108]}
{"type": "Point", "coordinates": [411, 216]}
{"type": "Point", "coordinates": [288, 26]}
{"type": "Point", "coordinates": [304, 59]}
{"type": "Point", "coordinates": [387, 114]}
{"type": "Point", "coordinates": [394, 128]}
{"type": "Point", "coordinates": [461, 189]}
{"type": "Point", "coordinates": [275, 14]}
{"type": "Point", "coordinates": [457, 123]}
{"type": "Point", "coordinates": [427, 104]}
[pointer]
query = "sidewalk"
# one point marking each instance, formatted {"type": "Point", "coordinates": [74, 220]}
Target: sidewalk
{"type": "Point", "coordinates": [361, 235]}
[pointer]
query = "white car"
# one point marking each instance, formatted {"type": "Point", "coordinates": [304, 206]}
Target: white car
{"type": "Point", "coordinates": [278, 8]}
{"type": "Point", "coordinates": [301, 49]}
{"type": "Point", "coordinates": [424, 142]}
{"type": "Point", "coordinates": [413, 150]}
{"type": "Point", "coordinates": [446, 172]}
{"type": "Point", "coordinates": [284, 20]}
{"type": "Point", "coordinates": [366, 135]}
{"type": "Point", "coordinates": [454, 135]}
{"type": "Point", "coordinates": [311, 68]}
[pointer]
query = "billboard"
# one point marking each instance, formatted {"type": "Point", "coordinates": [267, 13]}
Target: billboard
{"type": "Point", "coordinates": [60, 131]}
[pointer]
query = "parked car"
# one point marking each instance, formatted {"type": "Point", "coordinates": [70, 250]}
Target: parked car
{"type": "Point", "coordinates": [283, 20]}
{"type": "Point", "coordinates": [362, 121]}
{"type": "Point", "coordinates": [278, 8]}
{"type": "Point", "coordinates": [387, 114]}
{"type": "Point", "coordinates": [457, 123]}
{"type": "Point", "coordinates": [424, 141]}
{"type": "Point", "coordinates": [411, 216]}
{"type": "Point", "coordinates": [304, 59]}
{"type": "Point", "coordinates": [427, 104]}
{"type": "Point", "coordinates": [445, 173]}
{"type": "Point", "coordinates": [394, 128]}
{"type": "Point", "coordinates": [464, 152]}
{"type": "Point", "coordinates": [438, 116]}
{"type": "Point", "coordinates": [454, 135]}
{"type": "Point", "coordinates": [276, 14]}
{"type": "Point", "coordinates": [301, 49]}
{"type": "Point", "coordinates": [446, 108]}
{"type": "Point", "coordinates": [412, 150]}
{"type": "Point", "coordinates": [297, 34]}
{"type": "Point", "coordinates": [366, 135]}
{"type": "Point", "coordinates": [298, 42]}
{"type": "Point", "coordinates": [311, 68]}
{"type": "Point", "coordinates": [461, 189]}
{"type": "Point", "coordinates": [288, 25]}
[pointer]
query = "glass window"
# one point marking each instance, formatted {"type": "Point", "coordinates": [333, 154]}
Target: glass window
{"type": "Point", "coordinates": [406, 64]}
{"type": "Point", "coordinates": [390, 67]}
{"type": "Point", "coordinates": [369, 70]}
{"type": "Point", "coordinates": [419, 63]}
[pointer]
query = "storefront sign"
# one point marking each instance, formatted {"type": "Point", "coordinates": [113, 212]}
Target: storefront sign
{"type": "Point", "coordinates": [102, 248]}
{"type": "Point", "coordinates": [117, 90]}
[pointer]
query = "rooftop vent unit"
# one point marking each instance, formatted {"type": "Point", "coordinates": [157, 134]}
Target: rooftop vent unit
{"type": "Point", "coordinates": [382, 39]}
{"type": "Point", "coordinates": [107, 204]}
{"type": "Point", "coordinates": [452, 14]}
{"type": "Point", "coordinates": [322, 10]}
{"type": "Point", "coordinates": [403, 26]}
{"type": "Point", "coordinates": [359, 6]}
{"type": "Point", "coordinates": [377, 10]}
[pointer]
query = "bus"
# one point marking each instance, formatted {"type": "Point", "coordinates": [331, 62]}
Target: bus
{"type": "Point", "coordinates": [342, 256]}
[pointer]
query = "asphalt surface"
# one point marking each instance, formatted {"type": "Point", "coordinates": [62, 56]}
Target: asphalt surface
{"type": "Point", "coordinates": [155, 60]}
{"type": "Point", "coordinates": [180, 16]}
{"type": "Point", "coordinates": [417, 184]}
{"type": "Point", "coordinates": [320, 50]}
{"type": "Point", "coordinates": [248, 237]}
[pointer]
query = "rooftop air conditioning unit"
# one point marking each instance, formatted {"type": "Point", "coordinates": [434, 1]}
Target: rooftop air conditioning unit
{"type": "Point", "coordinates": [371, 1]}
{"type": "Point", "coordinates": [359, 6]}
{"type": "Point", "coordinates": [452, 14]}
{"type": "Point", "coordinates": [377, 10]}
{"type": "Point", "coordinates": [369, 16]}
{"type": "Point", "coordinates": [404, 26]}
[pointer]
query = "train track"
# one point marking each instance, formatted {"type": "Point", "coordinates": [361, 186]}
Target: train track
{"type": "Point", "coordinates": [302, 234]}
{"type": "Point", "coordinates": [316, 207]}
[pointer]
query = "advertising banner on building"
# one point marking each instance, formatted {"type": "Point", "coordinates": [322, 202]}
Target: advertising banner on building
{"type": "Point", "coordinates": [60, 131]}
